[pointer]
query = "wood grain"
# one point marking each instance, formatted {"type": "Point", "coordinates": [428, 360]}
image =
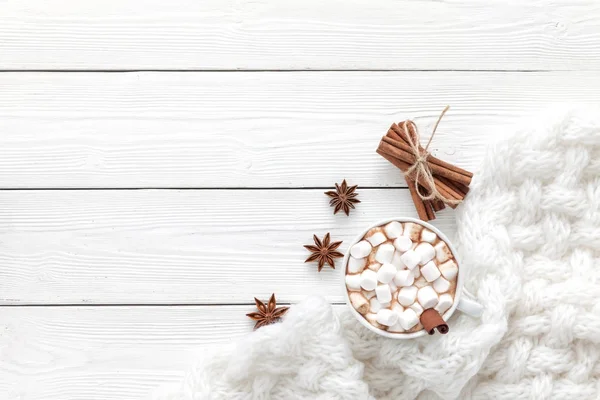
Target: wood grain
{"type": "Point", "coordinates": [108, 353]}
{"type": "Point", "coordinates": [176, 246]}
{"type": "Point", "coordinates": [132, 130]}
{"type": "Point", "coordinates": [275, 34]}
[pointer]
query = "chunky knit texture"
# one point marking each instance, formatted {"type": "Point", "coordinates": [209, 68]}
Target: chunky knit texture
{"type": "Point", "coordinates": [529, 239]}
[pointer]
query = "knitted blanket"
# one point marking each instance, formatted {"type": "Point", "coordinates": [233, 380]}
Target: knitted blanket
{"type": "Point", "coordinates": [529, 237]}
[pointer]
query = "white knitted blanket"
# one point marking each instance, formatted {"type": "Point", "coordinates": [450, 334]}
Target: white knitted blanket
{"type": "Point", "coordinates": [529, 234]}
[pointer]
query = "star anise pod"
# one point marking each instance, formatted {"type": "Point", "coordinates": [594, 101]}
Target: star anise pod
{"type": "Point", "coordinates": [267, 314]}
{"type": "Point", "coordinates": [324, 252]}
{"type": "Point", "coordinates": [343, 198]}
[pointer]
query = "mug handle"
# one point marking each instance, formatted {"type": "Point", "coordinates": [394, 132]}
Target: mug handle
{"type": "Point", "coordinates": [468, 305]}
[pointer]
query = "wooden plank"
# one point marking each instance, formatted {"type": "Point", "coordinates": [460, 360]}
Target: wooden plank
{"type": "Point", "coordinates": [108, 353]}
{"type": "Point", "coordinates": [176, 246]}
{"type": "Point", "coordinates": [292, 129]}
{"type": "Point", "coordinates": [275, 34]}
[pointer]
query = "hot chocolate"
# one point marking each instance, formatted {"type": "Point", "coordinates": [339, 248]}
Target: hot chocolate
{"type": "Point", "coordinates": [397, 271]}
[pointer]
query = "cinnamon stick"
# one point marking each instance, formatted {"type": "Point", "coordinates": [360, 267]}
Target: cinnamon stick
{"type": "Point", "coordinates": [419, 203]}
{"type": "Point", "coordinates": [405, 153]}
{"type": "Point", "coordinates": [431, 320]}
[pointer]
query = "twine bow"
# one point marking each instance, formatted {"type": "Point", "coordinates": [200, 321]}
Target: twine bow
{"type": "Point", "coordinates": [420, 171]}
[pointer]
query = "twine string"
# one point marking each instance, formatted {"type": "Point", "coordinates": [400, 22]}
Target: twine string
{"type": "Point", "coordinates": [420, 171]}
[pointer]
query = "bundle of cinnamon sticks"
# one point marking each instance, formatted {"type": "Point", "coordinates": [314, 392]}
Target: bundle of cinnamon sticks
{"type": "Point", "coordinates": [450, 181]}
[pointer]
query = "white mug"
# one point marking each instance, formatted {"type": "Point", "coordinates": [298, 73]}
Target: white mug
{"type": "Point", "coordinates": [463, 300]}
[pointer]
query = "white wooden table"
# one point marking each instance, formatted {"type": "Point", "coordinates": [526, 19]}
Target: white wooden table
{"type": "Point", "coordinates": [162, 162]}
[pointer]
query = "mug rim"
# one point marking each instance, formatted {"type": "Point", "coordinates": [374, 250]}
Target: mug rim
{"type": "Point", "coordinates": [459, 280]}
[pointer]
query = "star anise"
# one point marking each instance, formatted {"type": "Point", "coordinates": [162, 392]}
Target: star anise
{"type": "Point", "coordinates": [267, 314]}
{"type": "Point", "coordinates": [324, 252]}
{"type": "Point", "coordinates": [343, 198]}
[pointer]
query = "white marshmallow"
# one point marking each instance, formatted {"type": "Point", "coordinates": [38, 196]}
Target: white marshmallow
{"type": "Point", "coordinates": [386, 273]}
{"type": "Point", "coordinates": [396, 328]}
{"type": "Point", "coordinates": [449, 269]}
{"type": "Point", "coordinates": [369, 294]}
{"type": "Point", "coordinates": [427, 297]}
{"type": "Point", "coordinates": [413, 231]}
{"type": "Point", "coordinates": [420, 282]}
{"type": "Point", "coordinates": [374, 305]}
{"type": "Point", "coordinates": [404, 278]}
{"type": "Point", "coordinates": [372, 318]}
{"type": "Point", "coordinates": [425, 251]}
{"type": "Point", "coordinates": [442, 252]}
{"type": "Point", "coordinates": [385, 253]}
{"type": "Point", "coordinates": [416, 307]}
{"type": "Point", "coordinates": [387, 317]}
{"type": "Point", "coordinates": [368, 279]}
{"type": "Point", "coordinates": [393, 287]}
{"type": "Point", "coordinates": [384, 295]}
{"type": "Point", "coordinates": [407, 295]}
{"type": "Point", "coordinates": [353, 282]}
{"type": "Point", "coordinates": [428, 236]}
{"type": "Point", "coordinates": [375, 266]}
{"type": "Point", "coordinates": [408, 319]}
{"type": "Point", "coordinates": [441, 285]}
{"type": "Point", "coordinates": [393, 229]}
{"type": "Point", "coordinates": [416, 272]}
{"type": "Point", "coordinates": [359, 302]}
{"type": "Point", "coordinates": [356, 265]}
{"type": "Point", "coordinates": [403, 243]}
{"type": "Point", "coordinates": [430, 271]}
{"type": "Point", "coordinates": [376, 239]}
{"type": "Point", "coordinates": [411, 259]}
{"type": "Point", "coordinates": [397, 308]}
{"type": "Point", "coordinates": [444, 304]}
{"type": "Point", "coordinates": [397, 260]}
{"type": "Point", "coordinates": [361, 249]}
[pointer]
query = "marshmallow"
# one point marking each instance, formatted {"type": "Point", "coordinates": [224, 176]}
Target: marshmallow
{"type": "Point", "coordinates": [375, 266]}
{"type": "Point", "coordinates": [430, 271]}
{"type": "Point", "coordinates": [359, 302]}
{"type": "Point", "coordinates": [393, 229]}
{"type": "Point", "coordinates": [411, 259]}
{"type": "Point", "coordinates": [427, 297]}
{"type": "Point", "coordinates": [416, 272]}
{"type": "Point", "coordinates": [425, 251]}
{"type": "Point", "coordinates": [353, 282]}
{"type": "Point", "coordinates": [420, 282]}
{"type": "Point", "coordinates": [384, 295]}
{"type": "Point", "coordinates": [387, 317]}
{"type": "Point", "coordinates": [396, 328]}
{"type": "Point", "coordinates": [413, 231]}
{"type": "Point", "coordinates": [356, 265]}
{"type": "Point", "coordinates": [408, 319]}
{"type": "Point", "coordinates": [403, 243]}
{"type": "Point", "coordinates": [449, 269]}
{"type": "Point", "coordinates": [428, 236]}
{"type": "Point", "coordinates": [385, 253]}
{"type": "Point", "coordinates": [361, 249]}
{"type": "Point", "coordinates": [372, 318]}
{"type": "Point", "coordinates": [442, 252]}
{"type": "Point", "coordinates": [376, 239]}
{"type": "Point", "coordinates": [404, 278]}
{"type": "Point", "coordinates": [397, 261]}
{"type": "Point", "coordinates": [369, 294]}
{"type": "Point", "coordinates": [441, 285]}
{"type": "Point", "coordinates": [416, 307]}
{"type": "Point", "coordinates": [386, 273]}
{"type": "Point", "coordinates": [375, 305]}
{"type": "Point", "coordinates": [368, 279]}
{"type": "Point", "coordinates": [393, 287]}
{"type": "Point", "coordinates": [444, 304]}
{"type": "Point", "coordinates": [397, 308]}
{"type": "Point", "coordinates": [407, 295]}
